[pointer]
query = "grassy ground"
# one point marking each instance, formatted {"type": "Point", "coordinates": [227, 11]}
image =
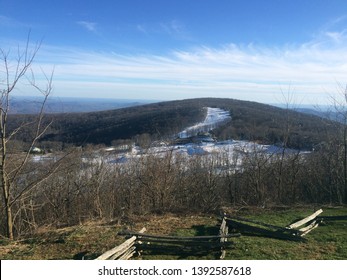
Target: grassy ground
{"type": "Point", "coordinates": [328, 241]}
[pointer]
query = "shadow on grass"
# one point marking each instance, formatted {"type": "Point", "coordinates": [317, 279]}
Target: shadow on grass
{"type": "Point", "coordinates": [202, 230]}
{"type": "Point", "coordinates": [179, 252]}
{"type": "Point", "coordinates": [185, 249]}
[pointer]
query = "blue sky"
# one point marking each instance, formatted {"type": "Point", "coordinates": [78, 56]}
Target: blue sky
{"type": "Point", "coordinates": [265, 51]}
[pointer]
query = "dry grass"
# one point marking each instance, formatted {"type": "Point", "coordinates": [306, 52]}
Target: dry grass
{"type": "Point", "coordinates": [91, 239]}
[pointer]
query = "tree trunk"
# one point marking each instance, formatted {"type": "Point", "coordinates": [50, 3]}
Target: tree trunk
{"type": "Point", "coordinates": [7, 206]}
{"type": "Point", "coordinates": [9, 222]}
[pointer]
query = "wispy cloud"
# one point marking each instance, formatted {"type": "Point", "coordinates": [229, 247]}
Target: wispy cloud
{"type": "Point", "coordinates": [141, 28]}
{"type": "Point", "coordinates": [175, 28]}
{"type": "Point", "coordinates": [6, 21]}
{"type": "Point", "coordinates": [312, 69]}
{"type": "Point", "coordinates": [333, 32]}
{"type": "Point", "coordinates": [90, 26]}
{"type": "Point", "coordinates": [337, 36]}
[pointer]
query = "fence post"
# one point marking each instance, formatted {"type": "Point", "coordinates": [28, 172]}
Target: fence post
{"type": "Point", "coordinates": [223, 231]}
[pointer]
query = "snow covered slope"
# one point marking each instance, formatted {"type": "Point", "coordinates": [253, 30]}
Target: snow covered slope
{"type": "Point", "coordinates": [214, 118]}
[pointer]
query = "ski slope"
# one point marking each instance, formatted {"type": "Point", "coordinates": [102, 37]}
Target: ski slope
{"type": "Point", "coordinates": [214, 118]}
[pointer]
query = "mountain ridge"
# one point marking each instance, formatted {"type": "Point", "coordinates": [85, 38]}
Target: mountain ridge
{"type": "Point", "coordinates": [56, 105]}
{"type": "Point", "coordinates": [162, 120]}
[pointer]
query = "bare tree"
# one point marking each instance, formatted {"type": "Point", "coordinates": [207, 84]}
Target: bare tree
{"type": "Point", "coordinates": [340, 107]}
{"type": "Point", "coordinates": [16, 68]}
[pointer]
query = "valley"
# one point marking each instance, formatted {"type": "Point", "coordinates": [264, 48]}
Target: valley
{"type": "Point", "coordinates": [195, 140]}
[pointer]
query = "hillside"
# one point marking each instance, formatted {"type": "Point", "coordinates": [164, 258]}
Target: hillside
{"type": "Point", "coordinates": [250, 121]}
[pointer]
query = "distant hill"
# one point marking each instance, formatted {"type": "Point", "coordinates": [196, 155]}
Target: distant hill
{"type": "Point", "coordinates": [329, 113]}
{"type": "Point", "coordinates": [31, 105]}
{"type": "Point", "coordinates": [250, 121]}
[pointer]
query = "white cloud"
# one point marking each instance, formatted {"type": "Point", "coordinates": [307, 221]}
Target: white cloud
{"type": "Point", "coordinates": [173, 27]}
{"type": "Point", "coordinates": [9, 22]}
{"type": "Point", "coordinates": [333, 33]}
{"type": "Point", "coordinates": [176, 29]}
{"type": "Point", "coordinates": [141, 28]}
{"type": "Point", "coordinates": [248, 72]}
{"type": "Point", "coordinates": [6, 21]}
{"type": "Point", "coordinates": [90, 26]}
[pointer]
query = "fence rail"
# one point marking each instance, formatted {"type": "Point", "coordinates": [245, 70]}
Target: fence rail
{"type": "Point", "coordinates": [122, 252]}
{"type": "Point", "coordinates": [309, 223]}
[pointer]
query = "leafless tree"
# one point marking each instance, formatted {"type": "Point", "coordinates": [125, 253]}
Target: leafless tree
{"type": "Point", "coordinates": [343, 112]}
{"type": "Point", "coordinates": [330, 157]}
{"type": "Point", "coordinates": [16, 67]}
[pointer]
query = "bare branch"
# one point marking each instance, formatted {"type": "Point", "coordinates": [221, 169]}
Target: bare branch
{"type": "Point", "coordinates": [40, 180]}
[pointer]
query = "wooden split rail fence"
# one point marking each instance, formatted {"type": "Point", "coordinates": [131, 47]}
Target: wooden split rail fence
{"type": "Point", "coordinates": [294, 231]}
{"type": "Point", "coordinates": [140, 242]}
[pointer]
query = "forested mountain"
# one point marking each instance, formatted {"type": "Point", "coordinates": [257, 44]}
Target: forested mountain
{"type": "Point", "coordinates": [249, 121]}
